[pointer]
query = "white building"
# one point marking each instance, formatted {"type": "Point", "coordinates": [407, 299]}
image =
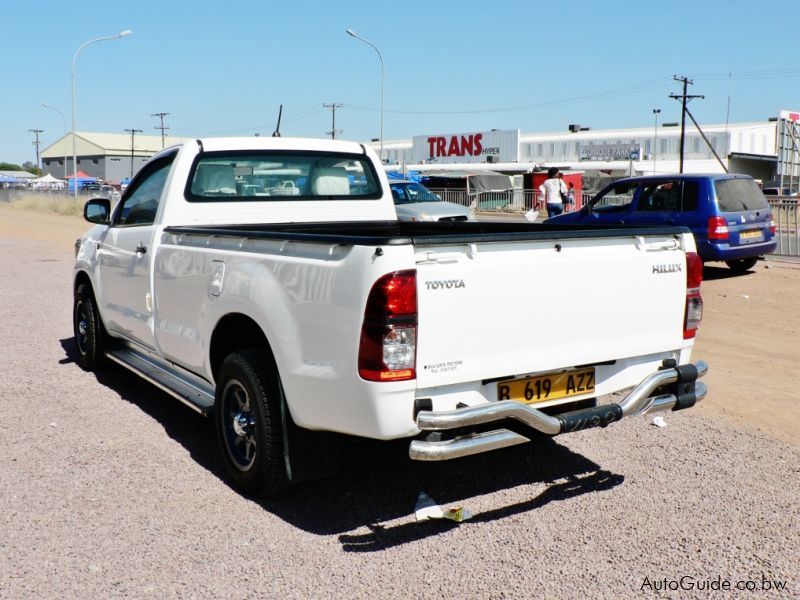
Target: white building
{"type": "Point", "coordinates": [107, 156]}
{"type": "Point", "coordinates": [751, 148]}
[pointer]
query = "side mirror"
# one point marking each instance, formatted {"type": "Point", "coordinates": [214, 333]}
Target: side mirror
{"type": "Point", "coordinates": [97, 211]}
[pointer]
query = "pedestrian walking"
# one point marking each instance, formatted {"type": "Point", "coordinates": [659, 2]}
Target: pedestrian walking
{"type": "Point", "coordinates": [553, 191]}
{"type": "Point", "coordinates": [570, 197]}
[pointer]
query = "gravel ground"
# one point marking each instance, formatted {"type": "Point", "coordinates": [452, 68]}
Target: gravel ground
{"type": "Point", "coordinates": [110, 488]}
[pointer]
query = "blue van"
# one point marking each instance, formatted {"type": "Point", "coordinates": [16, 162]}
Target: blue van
{"type": "Point", "coordinates": [727, 213]}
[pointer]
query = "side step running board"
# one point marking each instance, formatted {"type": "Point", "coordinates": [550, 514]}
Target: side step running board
{"type": "Point", "coordinates": [194, 395]}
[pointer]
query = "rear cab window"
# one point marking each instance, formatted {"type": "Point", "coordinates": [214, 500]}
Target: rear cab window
{"type": "Point", "coordinates": [278, 176]}
{"type": "Point", "coordinates": [738, 195]}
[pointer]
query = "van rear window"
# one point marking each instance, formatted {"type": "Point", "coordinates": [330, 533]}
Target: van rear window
{"type": "Point", "coordinates": [736, 195]}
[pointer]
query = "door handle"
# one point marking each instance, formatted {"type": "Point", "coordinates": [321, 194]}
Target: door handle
{"type": "Point", "coordinates": [141, 249]}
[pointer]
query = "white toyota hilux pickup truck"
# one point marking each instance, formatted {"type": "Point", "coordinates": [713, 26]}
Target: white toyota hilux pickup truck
{"type": "Point", "coordinates": [268, 282]}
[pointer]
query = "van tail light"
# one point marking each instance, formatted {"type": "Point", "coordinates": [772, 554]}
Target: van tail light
{"type": "Point", "coordinates": [694, 302]}
{"type": "Point", "coordinates": [388, 346]}
{"type": "Point", "coordinates": [773, 229]}
{"type": "Point", "coordinates": [717, 229]}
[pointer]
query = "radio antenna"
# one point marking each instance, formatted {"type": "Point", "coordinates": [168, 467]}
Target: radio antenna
{"type": "Point", "coordinates": [277, 132]}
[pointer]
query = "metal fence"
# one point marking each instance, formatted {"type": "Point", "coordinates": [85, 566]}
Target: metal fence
{"type": "Point", "coordinates": [786, 214]}
{"type": "Point", "coordinates": [510, 201]}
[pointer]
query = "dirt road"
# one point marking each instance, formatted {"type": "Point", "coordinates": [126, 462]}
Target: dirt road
{"type": "Point", "coordinates": [110, 488]}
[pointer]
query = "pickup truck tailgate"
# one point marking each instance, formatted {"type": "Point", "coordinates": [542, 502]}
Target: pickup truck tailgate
{"type": "Point", "coordinates": [497, 309]}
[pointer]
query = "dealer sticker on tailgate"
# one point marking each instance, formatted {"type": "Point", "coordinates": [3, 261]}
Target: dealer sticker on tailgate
{"type": "Point", "coordinates": [547, 387]}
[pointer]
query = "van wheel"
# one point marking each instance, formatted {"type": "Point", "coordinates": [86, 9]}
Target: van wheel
{"type": "Point", "coordinates": [742, 265]}
{"type": "Point", "coordinates": [249, 423]}
{"type": "Point", "coordinates": [90, 336]}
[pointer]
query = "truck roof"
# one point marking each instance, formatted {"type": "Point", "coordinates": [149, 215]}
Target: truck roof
{"type": "Point", "coordinates": [221, 144]}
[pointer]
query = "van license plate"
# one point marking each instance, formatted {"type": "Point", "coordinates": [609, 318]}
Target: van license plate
{"type": "Point", "coordinates": [751, 235]}
{"type": "Point", "coordinates": [547, 387]}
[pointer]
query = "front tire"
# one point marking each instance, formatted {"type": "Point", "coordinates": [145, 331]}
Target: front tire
{"type": "Point", "coordinates": [249, 423]}
{"type": "Point", "coordinates": [88, 328]}
{"type": "Point", "coordinates": [743, 264]}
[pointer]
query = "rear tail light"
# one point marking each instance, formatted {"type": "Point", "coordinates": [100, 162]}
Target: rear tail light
{"type": "Point", "coordinates": [694, 302]}
{"type": "Point", "coordinates": [388, 346]}
{"type": "Point", "coordinates": [772, 227]}
{"type": "Point", "coordinates": [717, 228]}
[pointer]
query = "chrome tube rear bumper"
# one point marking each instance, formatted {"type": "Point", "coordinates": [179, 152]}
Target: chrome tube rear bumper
{"type": "Point", "coordinates": [684, 392]}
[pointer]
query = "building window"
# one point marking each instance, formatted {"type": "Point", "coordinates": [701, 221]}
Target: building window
{"type": "Point", "coordinates": [114, 159]}
{"type": "Point", "coordinates": [95, 161]}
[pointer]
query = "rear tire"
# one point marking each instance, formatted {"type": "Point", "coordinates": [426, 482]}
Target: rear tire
{"type": "Point", "coordinates": [90, 338]}
{"type": "Point", "coordinates": [743, 264]}
{"type": "Point", "coordinates": [249, 423]}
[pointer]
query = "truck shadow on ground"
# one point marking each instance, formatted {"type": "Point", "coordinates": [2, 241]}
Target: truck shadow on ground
{"type": "Point", "coordinates": [378, 483]}
{"type": "Point", "coordinates": [714, 273]}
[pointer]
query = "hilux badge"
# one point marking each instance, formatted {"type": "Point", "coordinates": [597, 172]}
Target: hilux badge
{"type": "Point", "coordinates": [670, 268]}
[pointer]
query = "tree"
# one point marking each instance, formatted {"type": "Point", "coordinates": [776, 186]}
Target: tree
{"type": "Point", "coordinates": [31, 168]}
{"type": "Point", "coordinates": [4, 166]}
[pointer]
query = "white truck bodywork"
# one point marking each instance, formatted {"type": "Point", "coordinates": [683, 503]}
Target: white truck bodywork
{"type": "Point", "coordinates": [494, 303]}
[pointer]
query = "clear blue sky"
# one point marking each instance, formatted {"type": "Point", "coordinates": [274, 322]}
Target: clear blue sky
{"type": "Point", "coordinates": [223, 68]}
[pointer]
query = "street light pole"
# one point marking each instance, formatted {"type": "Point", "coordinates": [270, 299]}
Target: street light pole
{"type": "Point", "coordinates": [656, 112]}
{"type": "Point", "coordinates": [64, 122]}
{"type": "Point", "coordinates": [125, 33]}
{"type": "Point", "coordinates": [352, 33]}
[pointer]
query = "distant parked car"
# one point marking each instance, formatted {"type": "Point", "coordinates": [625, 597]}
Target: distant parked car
{"type": "Point", "coordinates": [728, 215]}
{"type": "Point", "coordinates": [777, 191]}
{"type": "Point", "coordinates": [415, 202]}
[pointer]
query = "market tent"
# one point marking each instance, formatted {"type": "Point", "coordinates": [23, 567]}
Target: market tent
{"type": "Point", "coordinates": [473, 181]}
{"type": "Point", "coordinates": [81, 176]}
{"type": "Point", "coordinates": [8, 179]}
{"type": "Point", "coordinates": [47, 179]}
{"type": "Point", "coordinates": [397, 175]}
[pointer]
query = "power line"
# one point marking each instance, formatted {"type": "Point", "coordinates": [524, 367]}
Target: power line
{"type": "Point", "coordinates": [133, 133]}
{"type": "Point", "coordinates": [606, 94]}
{"type": "Point", "coordinates": [162, 127]}
{"type": "Point", "coordinates": [333, 106]}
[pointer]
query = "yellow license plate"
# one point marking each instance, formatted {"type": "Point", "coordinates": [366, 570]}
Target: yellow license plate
{"type": "Point", "coordinates": [753, 234]}
{"type": "Point", "coordinates": [547, 387]}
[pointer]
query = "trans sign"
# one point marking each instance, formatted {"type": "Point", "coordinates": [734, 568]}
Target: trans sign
{"type": "Point", "coordinates": [474, 147]}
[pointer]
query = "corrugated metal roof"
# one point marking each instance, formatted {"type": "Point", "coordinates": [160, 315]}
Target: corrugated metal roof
{"type": "Point", "coordinates": [109, 143]}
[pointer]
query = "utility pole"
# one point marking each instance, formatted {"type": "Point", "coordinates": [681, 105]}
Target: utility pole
{"type": "Point", "coordinates": [36, 133]}
{"type": "Point", "coordinates": [133, 133]}
{"type": "Point", "coordinates": [684, 99]}
{"type": "Point", "coordinates": [333, 106]}
{"type": "Point", "coordinates": [656, 112]}
{"type": "Point", "coordinates": [162, 127]}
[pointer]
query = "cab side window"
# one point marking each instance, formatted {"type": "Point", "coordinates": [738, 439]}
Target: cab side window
{"type": "Point", "coordinates": [660, 196]}
{"type": "Point", "coordinates": [139, 207]}
{"type": "Point", "coordinates": [617, 198]}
